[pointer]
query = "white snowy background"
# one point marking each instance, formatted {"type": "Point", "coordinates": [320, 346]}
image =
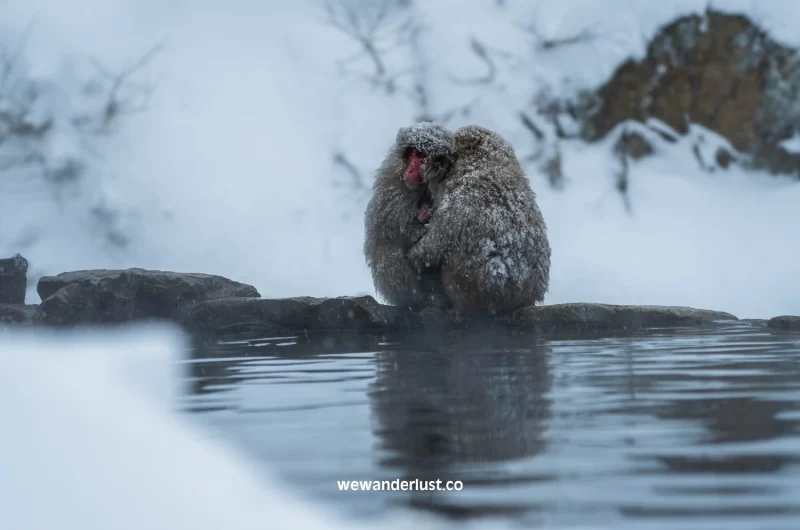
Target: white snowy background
{"type": "Point", "coordinates": [230, 169]}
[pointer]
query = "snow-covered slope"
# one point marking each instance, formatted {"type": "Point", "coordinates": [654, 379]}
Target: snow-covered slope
{"type": "Point", "coordinates": [231, 169]}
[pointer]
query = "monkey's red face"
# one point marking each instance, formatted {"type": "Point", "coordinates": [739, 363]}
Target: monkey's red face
{"type": "Point", "coordinates": [412, 176]}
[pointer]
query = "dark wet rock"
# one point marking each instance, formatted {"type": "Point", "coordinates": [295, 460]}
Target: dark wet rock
{"type": "Point", "coordinates": [718, 70]}
{"type": "Point", "coordinates": [113, 296]}
{"type": "Point", "coordinates": [606, 316]}
{"type": "Point", "coordinates": [13, 280]}
{"type": "Point", "coordinates": [17, 313]}
{"type": "Point", "coordinates": [633, 145]}
{"type": "Point", "coordinates": [723, 158]}
{"type": "Point", "coordinates": [151, 282]}
{"type": "Point", "coordinates": [234, 315]}
{"type": "Point", "coordinates": [784, 322]}
{"type": "Point", "coordinates": [212, 306]}
{"type": "Point", "coordinates": [302, 313]}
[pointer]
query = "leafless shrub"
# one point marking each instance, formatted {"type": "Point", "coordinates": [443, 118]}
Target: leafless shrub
{"type": "Point", "coordinates": [31, 108]}
{"type": "Point", "coordinates": [379, 27]}
{"type": "Point", "coordinates": [121, 94]}
{"type": "Point", "coordinates": [50, 128]}
{"type": "Point", "coordinates": [356, 179]}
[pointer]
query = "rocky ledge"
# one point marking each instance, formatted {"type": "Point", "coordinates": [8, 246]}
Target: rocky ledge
{"type": "Point", "coordinates": [213, 305]}
{"type": "Point", "coordinates": [114, 296]}
{"type": "Point", "coordinates": [17, 313]}
{"type": "Point", "coordinates": [13, 280]}
{"type": "Point", "coordinates": [230, 315]}
{"type": "Point", "coordinates": [785, 322]}
{"type": "Point", "coordinates": [615, 316]}
{"type": "Point", "coordinates": [254, 314]}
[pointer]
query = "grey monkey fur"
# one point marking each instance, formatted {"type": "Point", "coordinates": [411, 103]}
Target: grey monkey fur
{"type": "Point", "coordinates": [391, 225]}
{"type": "Point", "coordinates": [486, 233]}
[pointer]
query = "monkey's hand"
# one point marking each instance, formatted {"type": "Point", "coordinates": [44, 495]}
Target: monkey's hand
{"type": "Point", "coordinates": [414, 232]}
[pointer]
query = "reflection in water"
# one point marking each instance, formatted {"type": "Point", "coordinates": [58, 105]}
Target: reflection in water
{"type": "Point", "coordinates": [731, 420]}
{"type": "Point", "coordinates": [691, 428]}
{"type": "Point", "coordinates": [464, 399]}
{"type": "Point", "coordinates": [462, 403]}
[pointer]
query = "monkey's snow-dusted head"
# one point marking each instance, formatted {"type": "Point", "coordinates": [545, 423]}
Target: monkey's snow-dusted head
{"type": "Point", "coordinates": [478, 142]}
{"type": "Point", "coordinates": [428, 151]}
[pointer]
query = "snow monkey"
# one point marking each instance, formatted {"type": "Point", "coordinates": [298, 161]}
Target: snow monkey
{"type": "Point", "coordinates": [398, 210]}
{"type": "Point", "coordinates": [486, 233]}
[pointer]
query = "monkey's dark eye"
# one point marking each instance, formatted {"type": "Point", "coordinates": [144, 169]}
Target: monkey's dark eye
{"type": "Point", "coordinates": [411, 150]}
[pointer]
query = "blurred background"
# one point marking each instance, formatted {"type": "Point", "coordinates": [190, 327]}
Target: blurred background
{"type": "Point", "coordinates": [240, 138]}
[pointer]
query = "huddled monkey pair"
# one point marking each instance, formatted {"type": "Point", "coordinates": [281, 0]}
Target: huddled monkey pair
{"type": "Point", "coordinates": [453, 223]}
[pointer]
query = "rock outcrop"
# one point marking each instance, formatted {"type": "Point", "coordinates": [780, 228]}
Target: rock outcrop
{"type": "Point", "coordinates": [233, 315]}
{"type": "Point", "coordinates": [17, 313]}
{"type": "Point", "coordinates": [301, 313]}
{"type": "Point", "coordinates": [785, 322]}
{"type": "Point", "coordinates": [13, 280]}
{"type": "Point", "coordinates": [112, 296]}
{"type": "Point", "coordinates": [213, 306]}
{"type": "Point", "coordinates": [717, 70]}
{"type": "Point", "coordinates": [607, 316]}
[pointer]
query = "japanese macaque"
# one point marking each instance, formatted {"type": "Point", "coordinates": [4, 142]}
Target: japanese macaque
{"type": "Point", "coordinates": [486, 234]}
{"type": "Point", "coordinates": [398, 211]}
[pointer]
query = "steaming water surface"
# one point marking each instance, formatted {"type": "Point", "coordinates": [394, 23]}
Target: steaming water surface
{"type": "Point", "coordinates": [696, 428]}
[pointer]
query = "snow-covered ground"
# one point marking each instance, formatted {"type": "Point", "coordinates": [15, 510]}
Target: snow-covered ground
{"type": "Point", "coordinates": [91, 440]}
{"type": "Point", "coordinates": [231, 170]}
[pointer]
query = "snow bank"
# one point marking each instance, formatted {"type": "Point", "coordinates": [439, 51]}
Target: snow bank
{"type": "Point", "coordinates": [86, 445]}
{"type": "Point", "coordinates": [231, 169]}
{"type": "Point", "coordinates": [90, 441]}
{"type": "Point", "coordinates": [720, 240]}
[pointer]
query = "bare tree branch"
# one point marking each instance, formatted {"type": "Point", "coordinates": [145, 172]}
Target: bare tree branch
{"type": "Point", "coordinates": [544, 43]}
{"type": "Point", "coordinates": [527, 122]}
{"type": "Point", "coordinates": [622, 176]}
{"type": "Point", "coordinates": [479, 49]}
{"type": "Point", "coordinates": [357, 180]}
{"type": "Point", "coordinates": [378, 27]}
{"type": "Point", "coordinates": [115, 105]}
{"type": "Point", "coordinates": [10, 60]}
{"type": "Point", "coordinates": [372, 53]}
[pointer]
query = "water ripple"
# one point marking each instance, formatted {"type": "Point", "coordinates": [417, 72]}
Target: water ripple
{"type": "Point", "coordinates": [694, 428]}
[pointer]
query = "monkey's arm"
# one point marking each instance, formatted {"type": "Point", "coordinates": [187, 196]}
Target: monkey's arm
{"type": "Point", "coordinates": [429, 250]}
{"type": "Point", "coordinates": [394, 279]}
